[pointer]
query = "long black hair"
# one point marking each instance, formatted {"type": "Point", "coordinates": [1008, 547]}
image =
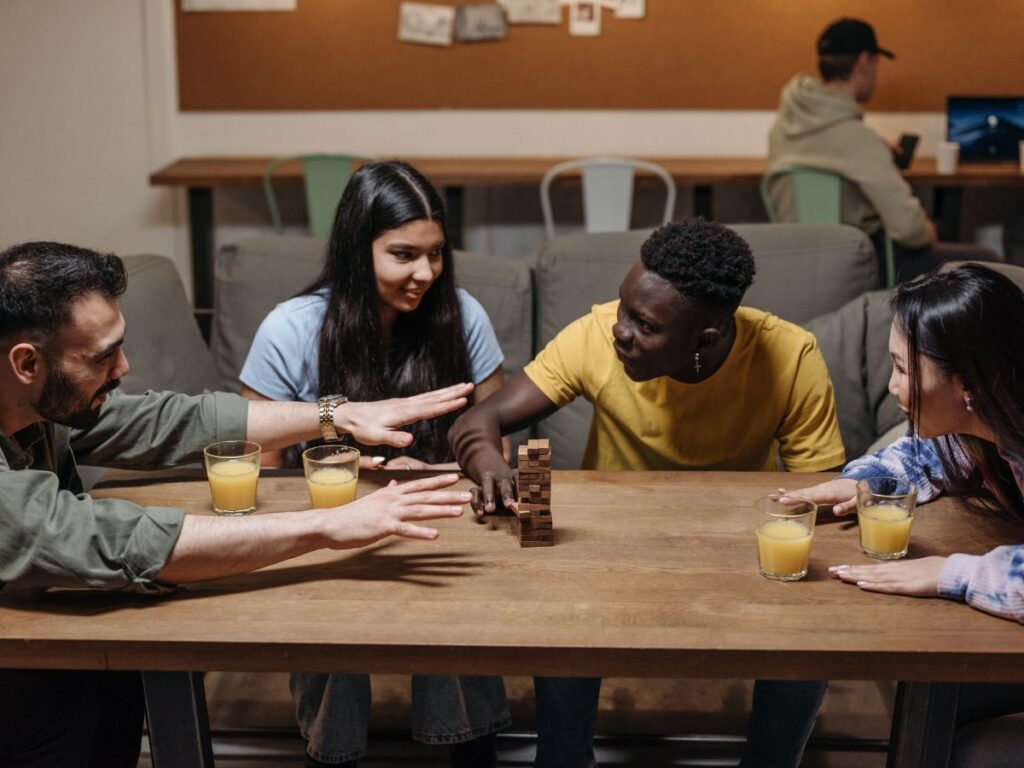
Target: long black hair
{"type": "Point", "coordinates": [425, 349]}
{"type": "Point", "coordinates": [968, 322]}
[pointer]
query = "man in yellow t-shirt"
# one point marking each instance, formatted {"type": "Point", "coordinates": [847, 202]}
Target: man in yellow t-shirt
{"type": "Point", "coordinates": [681, 377]}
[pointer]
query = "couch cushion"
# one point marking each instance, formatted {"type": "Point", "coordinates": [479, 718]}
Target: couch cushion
{"type": "Point", "coordinates": [854, 341]}
{"type": "Point", "coordinates": [162, 341]}
{"type": "Point", "coordinates": [802, 271]}
{"type": "Point", "coordinates": [255, 274]}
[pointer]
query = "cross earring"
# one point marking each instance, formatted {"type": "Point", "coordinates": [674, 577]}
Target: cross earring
{"type": "Point", "coordinates": [967, 400]}
{"type": "Point", "coordinates": [696, 361]}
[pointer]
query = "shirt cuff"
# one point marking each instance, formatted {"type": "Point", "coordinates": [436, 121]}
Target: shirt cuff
{"type": "Point", "coordinates": [150, 547]}
{"type": "Point", "coordinates": [232, 416]}
{"type": "Point", "coordinates": [956, 576]}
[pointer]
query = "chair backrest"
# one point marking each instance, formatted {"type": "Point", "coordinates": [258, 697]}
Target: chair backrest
{"type": "Point", "coordinates": [817, 199]}
{"type": "Point", "coordinates": [607, 192]}
{"type": "Point", "coordinates": [163, 345]}
{"type": "Point", "coordinates": [817, 194]}
{"type": "Point", "coordinates": [324, 178]}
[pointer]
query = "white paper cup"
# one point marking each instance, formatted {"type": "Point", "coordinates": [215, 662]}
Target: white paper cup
{"type": "Point", "coordinates": [946, 155]}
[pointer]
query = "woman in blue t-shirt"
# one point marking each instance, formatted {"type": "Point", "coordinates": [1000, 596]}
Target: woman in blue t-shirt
{"type": "Point", "coordinates": [384, 319]}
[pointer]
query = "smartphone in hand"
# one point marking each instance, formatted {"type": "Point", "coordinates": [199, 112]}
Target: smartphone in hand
{"type": "Point", "coordinates": [905, 150]}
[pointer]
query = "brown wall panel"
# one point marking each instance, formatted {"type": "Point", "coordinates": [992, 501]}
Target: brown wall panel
{"type": "Point", "coordinates": [687, 54]}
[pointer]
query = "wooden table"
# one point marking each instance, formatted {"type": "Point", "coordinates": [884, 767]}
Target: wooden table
{"type": "Point", "coordinates": [652, 575]}
{"type": "Point", "coordinates": [201, 175]}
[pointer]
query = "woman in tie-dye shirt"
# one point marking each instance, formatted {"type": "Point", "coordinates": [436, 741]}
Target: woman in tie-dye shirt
{"type": "Point", "coordinates": [957, 350]}
{"type": "Point", "coordinates": [957, 347]}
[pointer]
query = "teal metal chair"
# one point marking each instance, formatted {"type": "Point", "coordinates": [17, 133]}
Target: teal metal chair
{"type": "Point", "coordinates": [324, 177]}
{"type": "Point", "coordinates": [817, 199]}
{"type": "Point", "coordinates": [607, 192]}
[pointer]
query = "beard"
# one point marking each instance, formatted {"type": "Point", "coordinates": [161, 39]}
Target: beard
{"type": "Point", "coordinates": [63, 403]}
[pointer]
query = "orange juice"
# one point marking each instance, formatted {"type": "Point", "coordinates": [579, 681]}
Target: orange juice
{"type": "Point", "coordinates": [784, 548]}
{"type": "Point", "coordinates": [884, 530]}
{"type": "Point", "coordinates": [233, 486]}
{"type": "Point", "coordinates": [331, 487]}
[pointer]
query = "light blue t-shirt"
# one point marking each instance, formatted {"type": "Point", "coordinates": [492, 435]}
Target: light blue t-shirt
{"type": "Point", "coordinates": [284, 359]}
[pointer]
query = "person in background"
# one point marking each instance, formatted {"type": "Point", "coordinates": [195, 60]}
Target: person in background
{"type": "Point", "coordinates": [61, 336]}
{"type": "Point", "coordinates": [958, 369]}
{"type": "Point", "coordinates": [385, 319]}
{"type": "Point", "coordinates": [820, 125]}
{"type": "Point", "coordinates": [669, 368]}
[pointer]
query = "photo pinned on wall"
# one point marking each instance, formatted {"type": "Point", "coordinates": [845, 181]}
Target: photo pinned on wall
{"type": "Point", "coordinates": [480, 23]}
{"type": "Point", "coordinates": [425, 23]}
{"type": "Point", "coordinates": [532, 11]}
{"type": "Point", "coordinates": [585, 19]}
{"type": "Point", "coordinates": [630, 9]}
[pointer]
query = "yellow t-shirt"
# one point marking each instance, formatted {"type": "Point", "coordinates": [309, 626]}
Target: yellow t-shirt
{"type": "Point", "coordinates": [772, 397]}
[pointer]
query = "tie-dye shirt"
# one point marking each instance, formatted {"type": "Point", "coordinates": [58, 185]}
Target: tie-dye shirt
{"type": "Point", "coordinates": [993, 582]}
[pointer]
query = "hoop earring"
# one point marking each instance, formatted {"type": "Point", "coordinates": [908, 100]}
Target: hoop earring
{"type": "Point", "coordinates": [696, 361]}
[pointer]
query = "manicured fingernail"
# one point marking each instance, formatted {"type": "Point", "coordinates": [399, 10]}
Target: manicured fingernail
{"type": "Point", "coordinates": [378, 459]}
{"type": "Point", "coordinates": [466, 496]}
{"type": "Point", "coordinates": [836, 568]}
{"type": "Point", "coordinates": [862, 583]}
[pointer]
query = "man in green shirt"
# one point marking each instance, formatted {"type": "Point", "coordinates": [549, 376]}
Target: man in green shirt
{"type": "Point", "coordinates": [61, 336]}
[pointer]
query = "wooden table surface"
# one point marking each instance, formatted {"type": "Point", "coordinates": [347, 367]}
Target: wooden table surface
{"type": "Point", "coordinates": [492, 171]}
{"type": "Point", "coordinates": [653, 574]}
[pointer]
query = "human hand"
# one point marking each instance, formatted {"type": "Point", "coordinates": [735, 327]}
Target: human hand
{"type": "Point", "coordinates": [497, 483]}
{"type": "Point", "coordinates": [377, 423]}
{"type": "Point", "coordinates": [406, 462]}
{"type": "Point", "coordinates": [917, 578]}
{"type": "Point", "coordinates": [370, 462]}
{"type": "Point", "coordinates": [388, 512]}
{"type": "Point", "coordinates": [841, 493]}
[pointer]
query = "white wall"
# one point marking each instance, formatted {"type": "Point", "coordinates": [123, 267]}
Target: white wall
{"type": "Point", "coordinates": [76, 143]}
{"type": "Point", "coordinates": [89, 110]}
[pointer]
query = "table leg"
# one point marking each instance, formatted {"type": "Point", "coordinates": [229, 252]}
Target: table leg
{"type": "Point", "coordinates": [453, 198]}
{"type": "Point", "coordinates": [947, 205]}
{"type": "Point", "coordinates": [923, 724]}
{"type": "Point", "coordinates": [704, 201]}
{"type": "Point", "coordinates": [200, 218]}
{"type": "Point", "coordinates": [179, 729]}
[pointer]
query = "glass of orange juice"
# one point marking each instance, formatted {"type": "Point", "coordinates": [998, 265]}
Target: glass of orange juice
{"type": "Point", "coordinates": [784, 533]}
{"type": "Point", "coordinates": [885, 512]}
{"type": "Point", "coordinates": [332, 473]}
{"type": "Point", "coordinates": [233, 469]}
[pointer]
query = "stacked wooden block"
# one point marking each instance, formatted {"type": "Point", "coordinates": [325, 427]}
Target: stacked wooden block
{"type": "Point", "coordinates": [533, 524]}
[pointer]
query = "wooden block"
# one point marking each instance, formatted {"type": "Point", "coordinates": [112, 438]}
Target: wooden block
{"type": "Point", "coordinates": [525, 544]}
{"type": "Point", "coordinates": [527, 507]}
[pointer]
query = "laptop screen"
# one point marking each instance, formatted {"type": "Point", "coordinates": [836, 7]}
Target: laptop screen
{"type": "Point", "coordinates": [987, 128]}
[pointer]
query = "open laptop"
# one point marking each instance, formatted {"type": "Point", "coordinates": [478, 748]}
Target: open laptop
{"type": "Point", "coordinates": [987, 128]}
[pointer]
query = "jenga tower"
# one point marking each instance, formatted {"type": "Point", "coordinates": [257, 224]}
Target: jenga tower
{"type": "Point", "coordinates": [533, 523]}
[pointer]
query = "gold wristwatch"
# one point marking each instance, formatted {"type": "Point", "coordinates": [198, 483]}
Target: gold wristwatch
{"type": "Point", "coordinates": [327, 405]}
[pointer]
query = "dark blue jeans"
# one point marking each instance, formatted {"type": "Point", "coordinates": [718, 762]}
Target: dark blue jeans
{"type": "Point", "coordinates": [782, 717]}
{"type": "Point", "coordinates": [566, 709]}
{"type": "Point", "coordinates": [781, 720]}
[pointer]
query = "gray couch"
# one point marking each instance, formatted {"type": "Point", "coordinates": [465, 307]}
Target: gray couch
{"type": "Point", "coordinates": [804, 273]}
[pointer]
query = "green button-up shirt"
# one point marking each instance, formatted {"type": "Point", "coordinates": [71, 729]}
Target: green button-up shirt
{"type": "Point", "coordinates": [54, 534]}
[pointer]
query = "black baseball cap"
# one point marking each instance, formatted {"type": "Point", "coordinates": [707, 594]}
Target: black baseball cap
{"type": "Point", "coordinates": [850, 36]}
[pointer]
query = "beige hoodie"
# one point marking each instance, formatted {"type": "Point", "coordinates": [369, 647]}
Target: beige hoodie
{"type": "Point", "coordinates": [821, 127]}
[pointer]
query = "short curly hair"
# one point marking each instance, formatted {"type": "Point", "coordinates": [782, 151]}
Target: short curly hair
{"type": "Point", "coordinates": [704, 260]}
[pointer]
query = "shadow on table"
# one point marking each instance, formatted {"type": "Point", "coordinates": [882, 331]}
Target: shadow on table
{"type": "Point", "coordinates": [425, 569]}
